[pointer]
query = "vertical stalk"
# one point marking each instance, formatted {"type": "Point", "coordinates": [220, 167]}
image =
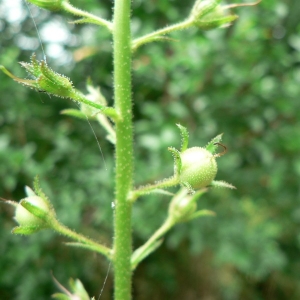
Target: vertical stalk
{"type": "Point", "coordinates": [124, 149]}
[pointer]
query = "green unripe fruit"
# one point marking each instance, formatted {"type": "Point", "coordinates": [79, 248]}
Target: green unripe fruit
{"type": "Point", "coordinates": [198, 167]}
{"type": "Point", "coordinates": [25, 218]}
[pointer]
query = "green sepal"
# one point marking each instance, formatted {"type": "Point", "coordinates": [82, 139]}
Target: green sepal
{"type": "Point", "coordinates": [212, 146]}
{"type": "Point", "coordinates": [26, 230]}
{"type": "Point", "coordinates": [54, 77]}
{"type": "Point", "coordinates": [202, 8]}
{"type": "Point", "coordinates": [27, 82]}
{"type": "Point", "coordinates": [184, 137]}
{"type": "Point", "coordinates": [207, 24]}
{"type": "Point", "coordinates": [53, 82]}
{"type": "Point", "coordinates": [36, 211]}
{"type": "Point", "coordinates": [60, 296]}
{"type": "Point", "coordinates": [201, 213]}
{"type": "Point", "coordinates": [38, 190]}
{"type": "Point", "coordinates": [140, 253]}
{"type": "Point", "coordinates": [190, 189]}
{"type": "Point", "coordinates": [222, 184]}
{"type": "Point", "coordinates": [76, 113]}
{"type": "Point", "coordinates": [78, 289]}
{"type": "Point", "coordinates": [33, 68]}
{"type": "Point", "coordinates": [177, 160]}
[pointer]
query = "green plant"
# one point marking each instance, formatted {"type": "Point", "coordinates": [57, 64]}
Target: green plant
{"type": "Point", "coordinates": [117, 121]}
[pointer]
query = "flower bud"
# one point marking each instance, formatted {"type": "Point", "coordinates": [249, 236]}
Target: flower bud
{"type": "Point", "coordinates": [208, 14]}
{"type": "Point", "coordinates": [45, 79]}
{"type": "Point", "coordinates": [183, 206]}
{"type": "Point", "coordinates": [203, 7]}
{"type": "Point", "coordinates": [52, 5]}
{"type": "Point", "coordinates": [198, 167]}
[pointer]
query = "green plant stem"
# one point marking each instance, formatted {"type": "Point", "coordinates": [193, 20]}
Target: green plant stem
{"type": "Point", "coordinates": [60, 228]}
{"type": "Point", "coordinates": [124, 150]}
{"type": "Point", "coordinates": [161, 32]}
{"type": "Point", "coordinates": [90, 17]}
{"type": "Point", "coordinates": [165, 227]}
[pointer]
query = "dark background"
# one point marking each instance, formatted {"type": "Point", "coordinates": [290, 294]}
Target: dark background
{"type": "Point", "coordinates": [243, 81]}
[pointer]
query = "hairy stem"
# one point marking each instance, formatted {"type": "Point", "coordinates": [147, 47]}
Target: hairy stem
{"type": "Point", "coordinates": [161, 32]}
{"type": "Point", "coordinates": [143, 190]}
{"type": "Point", "coordinates": [58, 227]}
{"type": "Point", "coordinates": [124, 149]}
{"type": "Point", "coordinates": [90, 17]}
{"type": "Point", "coordinates": [165, 227]}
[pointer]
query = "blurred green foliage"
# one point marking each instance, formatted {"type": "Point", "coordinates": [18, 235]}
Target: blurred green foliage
{"type": "Point", "coordinates": [243, 81]}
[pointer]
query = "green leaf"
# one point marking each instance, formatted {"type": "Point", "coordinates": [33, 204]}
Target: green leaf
{"type": "Point", "coordinates": [25, 230]}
